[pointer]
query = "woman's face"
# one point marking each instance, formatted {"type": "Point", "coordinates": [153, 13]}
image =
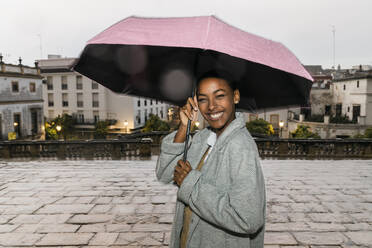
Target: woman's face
{"type": "Point", "coordinates": [216, 102]}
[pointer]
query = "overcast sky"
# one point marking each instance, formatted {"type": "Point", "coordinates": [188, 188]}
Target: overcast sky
{"type": "Point", "coordinates": [303, 26]}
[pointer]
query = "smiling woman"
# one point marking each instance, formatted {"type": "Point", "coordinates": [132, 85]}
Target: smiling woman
{"type": "Point", "coordinates": [221, 201]}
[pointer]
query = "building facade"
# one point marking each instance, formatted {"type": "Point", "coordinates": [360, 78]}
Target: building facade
{"type": "Point", "coordinates": [66, 91]}
{"type": "Point", "coordinates": [21, 101]}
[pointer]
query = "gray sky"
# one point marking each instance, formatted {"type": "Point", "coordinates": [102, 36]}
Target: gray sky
{"type": "Point", "coordinates": [303, 26]}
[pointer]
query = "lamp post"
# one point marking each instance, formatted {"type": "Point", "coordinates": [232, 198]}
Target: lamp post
{"type": "Point", "coordinates": [281, 124]}
{"type": "Point", "coordinates": [126, 126]}
{"type": "Point", "coordinates": [58, 128]}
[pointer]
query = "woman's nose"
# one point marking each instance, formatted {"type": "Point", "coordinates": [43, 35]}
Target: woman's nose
{"type": "Point", "coordinates": [211, 105]}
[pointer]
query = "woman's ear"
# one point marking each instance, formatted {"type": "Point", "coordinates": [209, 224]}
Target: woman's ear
{"type": "Point", "coordinates": [236, 96]}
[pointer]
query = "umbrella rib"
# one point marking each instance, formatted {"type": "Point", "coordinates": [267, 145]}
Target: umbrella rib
{"type": "Point", "coordinates": [207, 32]}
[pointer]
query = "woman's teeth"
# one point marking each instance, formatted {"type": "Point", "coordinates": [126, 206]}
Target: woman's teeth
{"type": "Point", "coordinates": [216, 116]}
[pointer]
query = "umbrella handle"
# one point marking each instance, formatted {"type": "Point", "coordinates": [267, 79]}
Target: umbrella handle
{"type": "Point", "coordinates": [188, 130]}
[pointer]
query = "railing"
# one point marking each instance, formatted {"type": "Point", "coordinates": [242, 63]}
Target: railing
{"type": "Point", "coordinates": [91, 149]}
{"type": "Point", "coordinates": [136, 145]}
{"type": "Point", "coordinates": [294, 148]}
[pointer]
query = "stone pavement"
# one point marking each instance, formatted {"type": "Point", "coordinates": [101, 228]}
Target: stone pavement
{"type": "Point", "coordinates": [319, 203]}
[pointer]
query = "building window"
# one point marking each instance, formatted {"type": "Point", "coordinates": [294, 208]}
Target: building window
{"type": "Point", "coordinates": [145, 102]}
{"type": "Point", "coordinates": [348, 109]}
{"type": "Point", "coordinates": [32, 87]}
{"type": "Point", "coordinates": [139, 117]}
{"type": "Point", "coordinates": [157, 111]}
{"type": "Point", "coordinates": [50, 100]}
{"type": "Point", "coordinates": [50, 83]}
{"type": "Point", "coordinates": [64, 100]}
{"type": "Point", "coordinates": [79, 82]}
{"type": "Point", "coordinates": [94, 85]}
{"type": "Point", "coordinates": [161, 113]}
{"type": "Point", "coordinates": [151, 102]}
{"type": "Point", "coordinates": [344, 87]}
{"type": "Point", "coordinates": [63, 83]}
{"type": "Point", "coordinates": [96, 116]}
{"type": "Point", "coordinates": [145, 114]}
{"type": "Point", "coordinates": [358, 84]}
{"type": "Point", "coordinates": [138, 103]}
{"type": "Point", "coordinates": [156, 101]}
{"type": "Point", "coordinates": [79, 97]}
{"type": "Point", "coordinates": [80, 117]}
{"type": "Point", "coordinates": [338, 109]}
{"type": "Point", "coordinates": [327, 110]}
{"type": "Point", "coordinates": [15, 87]}
{"type": "Point", "coordinates": [95, 102]}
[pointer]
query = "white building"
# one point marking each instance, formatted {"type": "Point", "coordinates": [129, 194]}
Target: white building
{"type": "Point", "coordinates": [21, 102]}
{"type": "Point", "coordinates": [66, 91]}
{"type": "Point", "coordinates": [352, 96]}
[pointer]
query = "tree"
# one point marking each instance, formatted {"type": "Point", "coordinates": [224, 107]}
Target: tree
{"type": "Point", "coordinates": [260, 126]}
{"type": "Point", "coordinates": [303, 132]}
{"type": "Point", "coordinates": [101, 129]}
{"type": "Point", "coordinates": [368, 133]}
{"type": "Point", "coordinates": [154, 123]}
{"type": "Point", "coordinates": [66, 124]}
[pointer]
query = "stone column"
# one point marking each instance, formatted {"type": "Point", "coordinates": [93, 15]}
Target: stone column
{"type": "Point", "coordinates": [326, 119]}
{"type": "Point", "coordinates": [302, 117]}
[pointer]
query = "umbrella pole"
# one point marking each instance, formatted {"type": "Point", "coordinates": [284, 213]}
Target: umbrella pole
{"type": "Point", "coordinates": [188, 130]}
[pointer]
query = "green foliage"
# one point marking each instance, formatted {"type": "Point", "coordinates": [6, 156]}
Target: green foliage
{"type": "Point", "coordinates": [66, 122]}
{"type": "Point", "coordinates": [358, 136]}
{"type": "Point", "coordinates": [340, 119]}
{"type": "Point", "coordinates": [368, 133]}
{"type": "Point", "coordinates": [154, 123]}
{"type": "Point", "coordinates": [260, 126]}
{"type": "Point", "coordinates": [303, 132]}
{"type": "Point", "coordinates": [315, 118]}
{"type": "Point", "coordinates": [101, 129]}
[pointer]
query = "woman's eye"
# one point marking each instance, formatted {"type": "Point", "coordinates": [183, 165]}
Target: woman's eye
{"type": "Point", "coordinates": [220, 96]}
{"type": "Point", "coordinates": [201, 100]}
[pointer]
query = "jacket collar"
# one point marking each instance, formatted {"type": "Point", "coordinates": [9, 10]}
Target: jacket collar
{"type": "Point", "coordinates": [235, 125]}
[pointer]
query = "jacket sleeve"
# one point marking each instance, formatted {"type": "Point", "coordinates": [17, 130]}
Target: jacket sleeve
{"type": "Point", "coordinates": [239, 209]}
{"type": "Point", "coordinates": [170, 153]}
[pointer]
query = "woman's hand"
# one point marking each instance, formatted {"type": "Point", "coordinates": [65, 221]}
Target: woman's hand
{"type": "Point", "coordinates": [189, 111]}
{"type": "Point", "coordinates": [181, 170]}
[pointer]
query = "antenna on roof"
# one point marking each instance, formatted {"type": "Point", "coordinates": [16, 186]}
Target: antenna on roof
{"type": "Point", "coordinates": [334, 46]}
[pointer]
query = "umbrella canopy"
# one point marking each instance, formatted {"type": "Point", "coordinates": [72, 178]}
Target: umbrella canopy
{"type": "Point", "coordinates": [161, 58]}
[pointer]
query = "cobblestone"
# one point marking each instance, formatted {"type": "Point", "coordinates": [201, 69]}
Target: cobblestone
{"type": "Point", "coordinates": [310, 204]}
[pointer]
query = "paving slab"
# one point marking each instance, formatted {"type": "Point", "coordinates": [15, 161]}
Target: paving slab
{"type": "Point", "coordinates": [310, 204]}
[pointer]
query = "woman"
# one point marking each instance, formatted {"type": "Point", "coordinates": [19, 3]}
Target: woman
{"type": "Point", "coordinates": [221, 199]}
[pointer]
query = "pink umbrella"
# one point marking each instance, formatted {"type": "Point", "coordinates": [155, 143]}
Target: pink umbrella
{"type": "Point", "coordinates": [161, 58]}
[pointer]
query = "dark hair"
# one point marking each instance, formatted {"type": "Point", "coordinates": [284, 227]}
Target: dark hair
{"type": "Point", "coordinates": [218, 74]}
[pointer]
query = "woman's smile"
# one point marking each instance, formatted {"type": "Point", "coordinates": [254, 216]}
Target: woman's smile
{"type": "Point", "coordinates": [216, 102]}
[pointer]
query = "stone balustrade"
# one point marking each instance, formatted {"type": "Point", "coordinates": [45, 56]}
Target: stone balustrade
{"type": "Point", "coordinates": [90, 149]}
{"type": "Point", "coordinates": [139, 146]}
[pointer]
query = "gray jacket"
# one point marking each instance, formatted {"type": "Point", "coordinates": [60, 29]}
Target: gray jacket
{"type": "Point", "coordinates": [227, 197]}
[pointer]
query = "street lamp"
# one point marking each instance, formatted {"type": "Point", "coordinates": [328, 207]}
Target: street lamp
{"type": "Point", "coordinates": [59, 128]}
{"type": "Point", "coordinates": [126, 126]}
{"type": "Point", "coordinates": [281, 124]}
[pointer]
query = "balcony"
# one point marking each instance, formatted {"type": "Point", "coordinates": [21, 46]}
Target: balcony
{"type": "Point", "coordinates": [80, 121]}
